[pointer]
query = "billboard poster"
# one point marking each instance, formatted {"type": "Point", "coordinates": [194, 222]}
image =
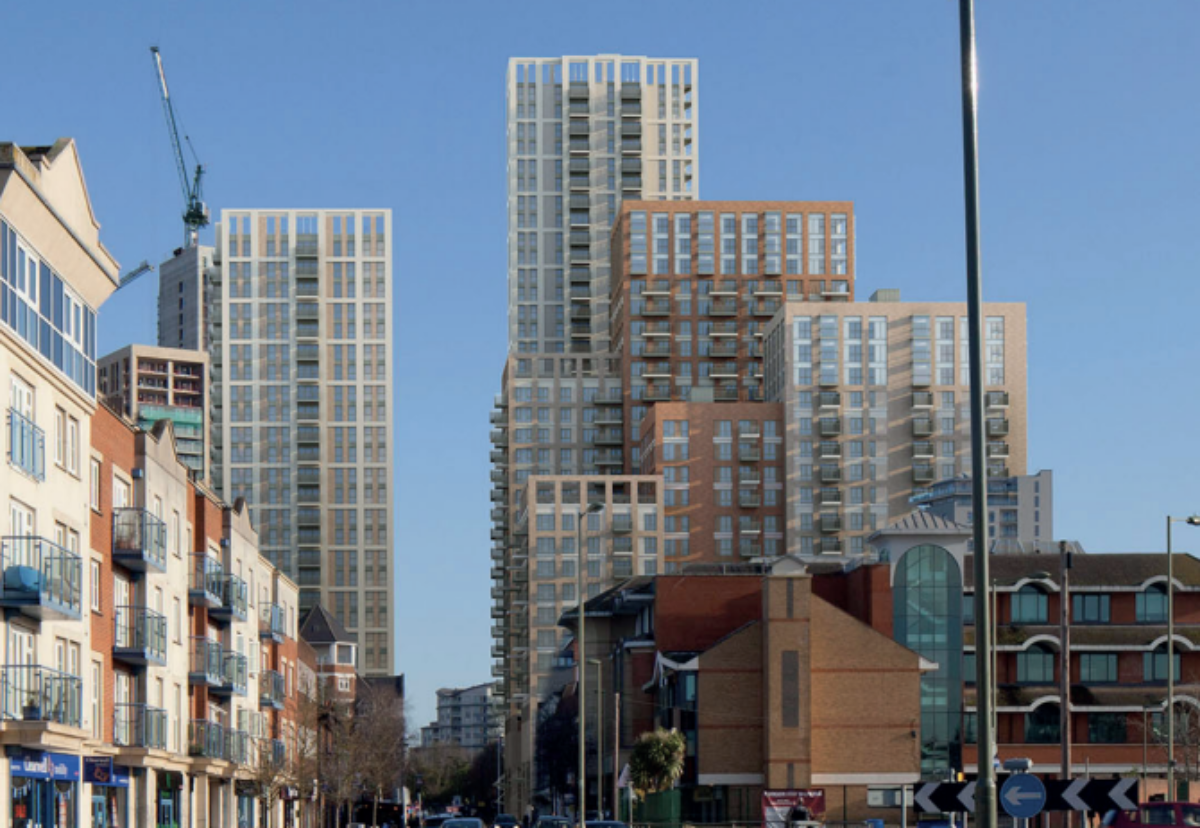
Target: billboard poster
{"type": "Point", "coordinates": [782, 808]}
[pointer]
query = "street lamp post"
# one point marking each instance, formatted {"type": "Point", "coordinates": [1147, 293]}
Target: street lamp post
{"type": "Point", "coordinates": [599, 736]}
{"type": "Point", "coordinates": [1190, 520]}
{"type": "Point", "coordinates": [581, 656]}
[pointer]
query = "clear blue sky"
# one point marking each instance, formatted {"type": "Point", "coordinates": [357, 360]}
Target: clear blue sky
{"type": "Point", "coordinates": [1089, 146]}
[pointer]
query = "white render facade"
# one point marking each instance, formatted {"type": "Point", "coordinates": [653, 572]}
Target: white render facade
{"type": "Point", "coordinates": [585, 132]}
{"type": "Point", "coordinates": [301, 349]}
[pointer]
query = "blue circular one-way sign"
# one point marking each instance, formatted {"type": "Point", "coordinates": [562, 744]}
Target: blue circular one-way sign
{"type": "Point", "coordinates": [1023, 796]}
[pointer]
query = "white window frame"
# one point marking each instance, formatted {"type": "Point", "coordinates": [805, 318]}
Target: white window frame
{"type": "Point", "coordinates": [94, 485]}
{"type": "Point", "coordinates": [94, 580]}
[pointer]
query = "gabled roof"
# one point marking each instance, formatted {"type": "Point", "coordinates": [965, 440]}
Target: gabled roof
{"type": "Point", "coordinates": [923, 523]}
{"type": "Point", "coordinates": [319, 627]}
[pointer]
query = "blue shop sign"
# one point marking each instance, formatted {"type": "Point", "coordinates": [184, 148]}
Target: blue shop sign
{"type": "Point", "coordinates": [100, 770]}
{"type": "Point", "coordinates": [45, 765]}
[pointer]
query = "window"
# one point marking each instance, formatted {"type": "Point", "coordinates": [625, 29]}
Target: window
{"type": "Point", "coordinates": [1152, 605]}
{"type": "Point", "coordinates": [1035, 665]}
{"type": "Point", "coordinates": [1154, 665]}
{"type": "Point", "coordinates": [95, 585]}
{"type": "Point", "coordinates": [1106, 728]}
{"type": "Point", "coordinates": [94, 485]}
{"type": "Point", "coordinates": [1097, 668]}
{"type": "Point", "coordinates": [97, 700]}
{"type": "Point", "coordinates": [60, 437]}
{"type": "Point", "coordinates": [1090, 609]}
{"type": "Point", "coordinates": [1029, 606]}
{"type": "Point", "coordinates": [73, 445]}
{"type": "Point", "coordinates": [969, 668]}
{"type": "Point", "coordinates": [1041, 725]}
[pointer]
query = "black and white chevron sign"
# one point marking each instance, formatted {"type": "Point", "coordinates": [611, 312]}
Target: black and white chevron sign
{"type": "Point", "coordinates": [1100, 795]}
{"type": "Point", "coordinates": [945, 797]}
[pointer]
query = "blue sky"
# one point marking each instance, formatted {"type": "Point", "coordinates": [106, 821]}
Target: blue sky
{"type": "Point", "coordinates": [1088, 142]}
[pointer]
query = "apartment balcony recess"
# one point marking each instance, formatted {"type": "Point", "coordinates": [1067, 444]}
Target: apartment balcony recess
{"type": "Point", "coordinates": [657, 370]}
{"type": "Point", "coordinates": [578, 165]}
{"type": "Point", "coordinates": [829, 546]}
{"type": "Point", "coordinates": [828, 379]}
{"type": "Point", "coordinates": [41, 578]}
{"type": "Point", "coordinates": [922, 399]}
{"type": "Point", "coordinates": [580, 255]}
{"type": "Point", "coordinates": [922, 378]}
{"type": "Point", "coordinates": [234, 667]}
{"type": "Point", "coordinates": [631, 182]}
{"type": "Point", "coordinates": [271, 623]}
{"type": "Point", "coordinates": [581, 294]}
{"type": "Point", "coordinates": [749, 498]}
{"type": "Point", "coordinates": [829, 497]}
{"type": "Point", "coordinates": [922, 448]}
{"type": "Point", "coordinates": [310, 557]}
{"type": "Point", "coordinates": [610, 457]}
{"type": "Point", "coordinates": [270, 690]}
{"type": "Point", "coordinates": [654, 307]}
{"type": "Point", "coordinates": [26, 446]}
{"type": "Point", "coordinates": [755, 350]}
{"type": "Point", "coordinates": [577, 90]}
{"type": "Point", "coordinates": [308, 411]}
{"type": "Point", "coordinates": [765, 307]}
{"type": "Point", "coordinates": [622, 524]}
{"type": "Point", "coordinates": [726, 393]}
{"type": "Point", "coordinates": [631, 91]}
{"type": "Point", "coordinates": [307, 288]}
{"type": "Point", "coordinates": [831, 523]}
{"type": "Point", "coordinates": [922, 473]}
{"type": "Point", "coordinates": [749, 477]}
{"type": "Point", "coordinates": [772, 287]}
{"type": "Point", "coordinates": [139, 726]}
{"type": "Point", "coordinates": [724, 307]}
{"type": "Point", "coordinates": [829, 427]}
{"type": "Point", "coordinates": [581, 276]}
{"type": "Point", "coordinates": [657, 348]}
{"type": "Point", "coordinates": [578, 129]}
{"type": "Point", "coordinates": [724, 329]}
{"type": "Point", "coordinates": [830, 450]}
{"type": "Point", "coordinates": [579, 109]}
{"type": "Point", "coordinates": [234, 600]}
{"type": "Point", "coordinates": [997, 450]}
{"type": "Point", "coordinates": [206, 739]}
{"type": "Point", "coordinates": [308, 353]}
{"type": "Point", "coordinates": [579, 146]}
{"type": "Point", "coordinates": [998, 470]}
{"type": "Point", "coordinates": [749, 526]}
{"type": "Point", "coordinates": [631, 110]}
{"type": "Point", "coordinates": [922, 427]}
{"type": "Point", "coordinates": [724, 348]}
{"type": "Point", "coordinates": [631, 146]}
{"type": "Point", "coordinates": [306, 246]}
{"type": "Point", "coordinates": [140, 636]}
{"type": "Point", "coordinates": [724, 369]}
{"type": "Point", "coordinates": [657, 392]}
{"type": "Point", "coordinates": [32, 693]}
{"type": "Point", "coordinates": [829, 399]}
{"type": "Point", "coordinates": [830, 473]}
{"type": "Point", "coordinates": [579, 183]}
{"type": "Point", "coordinates": [308, 516]}
{"type": "Point", "coordinates": [207, 663]}
{"type": "Point", "coordinates": [308, 310]}
{"type": "Point", "coordinates": [205, 585]}
{"type": "Point", "coordinates": [581, 313]}
{"type": "Point", "coordinates": [750, 549]}
{"type": "Point", "coordinates": [997, 427]}
{"type": "Point", "coordinates": [749, 452]}
{"type": "Point", "coordinates": [657, 329]}
{"type": "Point", "coordinates": [139, 540]}
{"type": "Point", "coordinates": [610, 437]}
{"type": "Point", "coordinates": [631, 130]}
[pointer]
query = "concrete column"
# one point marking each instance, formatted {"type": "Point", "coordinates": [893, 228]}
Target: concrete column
{"type": "Point", "coordinates": [200, 803]}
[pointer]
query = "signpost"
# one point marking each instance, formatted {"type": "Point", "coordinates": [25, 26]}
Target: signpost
{"type": "Point", "coordinates": [1023, 791]}
{"type": "Point", "coordinates": [1023, 796]}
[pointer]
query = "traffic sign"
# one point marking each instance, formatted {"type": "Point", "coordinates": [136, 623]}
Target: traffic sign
{"type": "Point", "coordinates": [1100, 795]}
{"type": "Point", "coordinates": [945, 797]}
{"type": "Point", "coordinates": [1023, 796]}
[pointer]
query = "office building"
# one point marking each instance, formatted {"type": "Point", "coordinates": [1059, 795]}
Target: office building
{"type": "Point", "coordinates": [584, 133]}
{"type": "Point", "coordinates": [1020, 509]}
{"type": "Point", "coordinates": [467, 717]}
{"type": "Point", "coordinates": [301, 349]}
{"type": "Point", "coordinates": [876, 405]}
{"type": "Point", "coordinates": [185, 288]}
{"type": "Point", "coordinates": [149, 384]}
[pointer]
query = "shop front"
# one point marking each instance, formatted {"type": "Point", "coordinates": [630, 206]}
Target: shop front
{"type": "Point", "coordinates": [45, 790]}
{"type": "Point", "coordinates": [110, 791]}
{"type": "Point", "coordinates": [247, 796]}
{"type": "Point", "coordinates": [167, 797]}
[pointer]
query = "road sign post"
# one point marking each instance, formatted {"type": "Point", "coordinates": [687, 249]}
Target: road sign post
{"type": "Point", "coordinates": [1023, 796]}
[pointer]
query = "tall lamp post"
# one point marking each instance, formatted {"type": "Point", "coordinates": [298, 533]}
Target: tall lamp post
{"type": "Point", "coordinates": [599, 735]}
{"type": "Point", "coordinates": [581, 655]}
{"type": "Point", "coordinates": [1190, 520]}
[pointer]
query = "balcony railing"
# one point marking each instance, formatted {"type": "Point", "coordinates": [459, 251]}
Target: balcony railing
{"type": "Point", "coordinates": [997, 427]}
{"type": "Point", "coordinates": [237, 747]}
{"type": "Point", "coordinates": [272, 623]}
{"type": "Point", "coordinates": [234, 667]}
{"type": "Point", "coordinates": [828, 449]}
{"type": "Point", "coordinates": [140, 635]}
{"type": "Point", "coordinates": [830, 473]}
{"type": "Point", "coordinates": [26, 445]}
{"type": "Point", "coordinates": [750, 549]}
{"type": "Point", "coordinates": [922, 448]}
{"type": "Point", "coordinates": [997, 450]}
{"type": "Point", "coordinates": [831, 523]}
{"type": "Point", "coordinates": [922, 427]}
{"type": "Point", "coordinates": [922, 473]}
{"type": "Point", "coordinates": [271, 689]}
{"type": "Point", "coordinates": [206, 580]}
{"type": "Point", "coordinates": [38, 694]}
{"type": "Point", "coordinates": [749, 452]}
{"type": "Point", "coordinates": [829, 496]}
{"type": "Point", "coordinates": [40, 577]}
{"type": "Point", "coordinates": [830, 546]}
{"type": "Point", "coordinates": [622, 523]}
{"type": "Point", "coordinates": [207, 663]}
{"type": "Point", "coordinates": [829, 427]}
{"type": "Point", "coordinates": [206, 739]}
{"type": "Point", "coordinates": [234, 599]}
{"type": "Point", "coordinates": [997, 399]}
{"type": "Point", "coordinates": [139, 725]}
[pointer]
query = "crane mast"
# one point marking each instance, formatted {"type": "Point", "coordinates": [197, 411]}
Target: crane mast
{"type": "Point", "coordinates": [195, 214]}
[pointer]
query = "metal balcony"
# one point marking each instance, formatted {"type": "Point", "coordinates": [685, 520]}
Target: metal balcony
{"type": "Point", "coordinates": [997, 450]}
{"type": "Point", "coordinates": [829, 497]}
{"type": "Point", "coordinates": [750, 526]}
{"type": "Point", "coordinates": [610, 457]}
{"type": "Point", "coordinates": [32, 693]}
{"type": "Point", "coordinates": [726, 393]}
{"type": "Point", "coordinates": [622, 524]}
{"type": "Point", "coordinates": [26, 446]}
{"type": "Point", "coordinates": [922, 427]}
{"type": "Point", "coordinates": [724, 348]}
{"type": "Point", "coordinates": [139, 540]}
{"type": "Point", "coordinates": [724, 307]}
{"type": "Point", "coordinates": [234, 599]}
{"type": "Point", "coordinates": [724, 369]}
{"type": "Point", "coordinates": [830, 473]}
{"type": "Point", "coordinates": [829, 546]}
{"type": "Point", "coordinates": [206, 666]}
{"type": "Point", "coordinates": [610, 437]}
{"type": "Point", "coordinates": [749, 477]}
{"type": "Point", "coordinates": [765, 307]}
{"type": "Point", "coordinates": [234, 667]}
{"type": "Point", "coordinates": [140, 635]}
{"type": "Point", "coordinates": [656, 307]}
{"type": "Point", "coordinates": [749, 452]}
{"type": "Point", "coordinates": [922, 448]}
{"type": "Point", "coordinates": [237, 747]}
{"type": "Point", "coordinates": [206, 739]}
{"type": "Point", "coordinates": [306, 246]}
{"type": "Point", "coordinates": [271, 690]}
{"type": "Point", "coordinates": [831, 523]}
{"type": "Point", "coordinates": [205, 587]}
{"type": "Point", "coordinates": [922, 399]}
{"type": "Point", "coordinates": [997, 427]}
{"type": "Point", "coordinates": [829, 427]}
{"type": "Point", "coordinates": [829, 450]}
{"type": "Point", "coordinates": [922, 473]}
{"type": "Point", "coordinates": [657, 392]}
{"type": "Point", "coordinates": [41, 578]}
{"type": "Point", "coordinates": [139, 726]}
{"type": "Point", "coordinates": [997, 399]}
{"type": "Point", "coordinates": [829, 399]}
{"type": "Point", "coordinates": [750, 549]}
{"type": "Point", "coordinates": [749, 498]}
{"type": "Point", "coordinates": [272, 623]}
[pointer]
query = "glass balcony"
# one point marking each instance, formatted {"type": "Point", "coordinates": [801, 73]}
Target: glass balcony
{"type": "Point", "coordinates": [997, 399]}
{"type": "Point", "coordinates": [922, 427]}
{"type": "Point", "coordinates": [206, 739]}
{"type": "Point", "coordinates": [749, 499]}
{"type": "Point", "coordinates": [207, 666]}
{"type": "Point", "coordinates": [997, 427]}
{"type": "Point", "coordinates": [206, 581]}
{"type": "Point", "coordinates": [140, 635]}
{"type": "Point", "coordinates": [271, 690]}
{"type": "Point", "coordinates": [830, 546]}
{"type": "Point", "coordinates": [922, 448]}
{"type": "Point", "coordinates": [140, 725]}
{"type": "Point", "coordinates": [830, 427]}
{"type": "Point", "coordinates": [306, 245]}
{"type": "Point", "coordinates": [237, 747]}
{"type": "Point", "coordinates": [922, 473]}
{"type": "Point", "coordinates": [831, 523]}
{"type": "Point", "coordinates": [41, 578]}
{"type": "Point", "coordinates": [830, 473]}
{"type": "Point", "coordinates": [272, 623]}
{"type": "Point", "coordinates": [234, 599]}
{"type": "Point", "coordinates": [275, 752]}
{"type": "Point", "coordinates": [749, 452]}
{"type": "Point", "coordinates": [829, 450]}
{"type": "Point", "coordinates": [26, 446]}
{"type": "Point", "coordinates": [234, 667]}
{"type": "Point", "coordinates": [33, 693]}
{"type": "Point", "coordinates": [829, 399]}
{"type": "Point", "coordinates": [922, 399]}
{"type": "Point", "coordinates": [622, 524]}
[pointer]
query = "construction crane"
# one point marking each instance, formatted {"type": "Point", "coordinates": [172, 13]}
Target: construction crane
{"type": "Point", "coordinates": [195, 214]}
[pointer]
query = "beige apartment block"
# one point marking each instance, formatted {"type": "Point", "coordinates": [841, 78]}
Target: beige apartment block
{"type": "Point", "coordinates": [585, 133]}
{"type": "Point", "coordinates": [877, 407]}
{"type": "Point", "coordinates": [623, 539]}
{"type": "Point", "coordinates": [301, 340]}
{"type": "Point", "coordinates": [148, 384]}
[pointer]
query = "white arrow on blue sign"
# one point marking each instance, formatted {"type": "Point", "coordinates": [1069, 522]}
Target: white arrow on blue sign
{"type": "Point", "coordinates": [1023, 796]}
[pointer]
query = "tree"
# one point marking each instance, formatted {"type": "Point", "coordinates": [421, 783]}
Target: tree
{"type": "Point", "coordinates": [482, 775]}
{"type": "Point", "coordinates": [443, 770]}
{"type": "Point", "coordinates": [380, 738]}
{"type": "Point", "coordinates": [657, 761]}
{"type": "Point", "coordinates": [557, 746]}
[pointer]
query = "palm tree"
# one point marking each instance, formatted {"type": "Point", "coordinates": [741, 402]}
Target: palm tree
{"type": "Point", "coordinates": [657, 761]}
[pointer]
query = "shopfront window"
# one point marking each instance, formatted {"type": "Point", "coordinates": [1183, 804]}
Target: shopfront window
{"type": "Point", "coordinates": [45, 790]}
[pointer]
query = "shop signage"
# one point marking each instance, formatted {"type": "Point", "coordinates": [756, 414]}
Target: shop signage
{"type": "Point", "coordinates": [45, 765]}
{"type": "Point", "coordinates": [100, 770]}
